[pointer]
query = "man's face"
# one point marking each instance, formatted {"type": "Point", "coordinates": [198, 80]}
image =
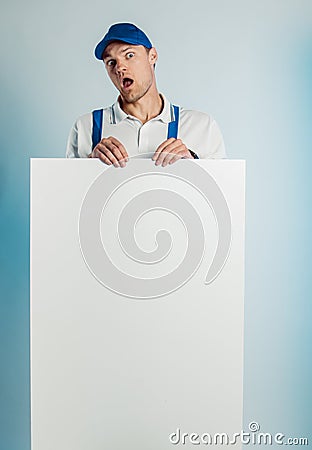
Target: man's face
{"type": "Point", "coordinates": [130, 67]}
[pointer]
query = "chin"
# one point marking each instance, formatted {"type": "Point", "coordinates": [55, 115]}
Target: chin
{"type": "Point", "coordinates": [131, 98]}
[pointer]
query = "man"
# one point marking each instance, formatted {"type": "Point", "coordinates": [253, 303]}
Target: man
{"type": "Point", "coordinates": [142, 121]}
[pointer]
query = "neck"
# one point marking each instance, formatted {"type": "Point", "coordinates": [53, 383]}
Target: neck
{"type": "Point", "coordinates": [146, 108]}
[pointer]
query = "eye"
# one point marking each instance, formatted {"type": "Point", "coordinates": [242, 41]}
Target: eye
{"type": "Point", "coordinates": [110, 63]}
{"type": "Point", "coordinates": [129, 55]}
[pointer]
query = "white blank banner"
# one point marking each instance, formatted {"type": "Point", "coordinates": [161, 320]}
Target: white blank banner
{"type": "Point", "coordinates": [137, 285]}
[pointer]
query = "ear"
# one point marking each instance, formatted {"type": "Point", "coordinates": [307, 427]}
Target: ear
{"type": "Point", "coordinates": [152, 56]}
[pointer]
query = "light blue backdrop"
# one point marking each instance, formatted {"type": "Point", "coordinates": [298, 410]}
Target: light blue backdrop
{"type": "Point", "coordinates": [249, 64]}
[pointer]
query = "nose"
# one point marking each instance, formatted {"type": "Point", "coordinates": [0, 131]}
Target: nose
{"type": "Point", "coordinates": [120, 66]}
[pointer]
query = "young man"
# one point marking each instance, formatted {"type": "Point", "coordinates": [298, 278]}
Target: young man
{"type": "Point", "coordinates": [142, 121]}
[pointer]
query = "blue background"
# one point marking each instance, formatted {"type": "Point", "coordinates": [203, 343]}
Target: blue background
{"type": "Point", "coordinates": [247, 63]}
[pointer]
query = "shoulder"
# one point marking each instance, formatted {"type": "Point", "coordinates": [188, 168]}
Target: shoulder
{"type": "Point", "coordinates": [201, 133]}
{"type": "Point", "coordinates": [79, 142]}
{"type": "Point", "coordinates": [85, 120]}
{"type": "Point", "coordinates": [194, 115]}
{"type": "Point", "coordinates": [192, 119]}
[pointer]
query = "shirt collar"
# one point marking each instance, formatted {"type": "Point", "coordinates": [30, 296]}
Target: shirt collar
{"type": "Point", "coordinates": [117, 114]}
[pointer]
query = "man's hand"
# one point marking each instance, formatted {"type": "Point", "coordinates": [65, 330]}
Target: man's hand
{"type": "Point", "coordinates": [170, 151]}
{"type": "Point", "coordinates": [110, 151]}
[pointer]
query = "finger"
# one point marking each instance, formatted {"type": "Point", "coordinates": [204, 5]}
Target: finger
{"type": "Point", "coordinates": [98, 154]}
{"type": "Point", "coordinates": [118, 150]}
{"type": "Point", "coordinates": [120, 147]}
{"type": "Point", "coordinates": [161, 147]}
{"type": "Point", "coordinates": [105, 155]}
{"type": "Point", "coordinates": [171, 147]}
{"type": "Point", "coordinates": [175, 158]}
{"type": "Point", "coordinates": [188, 155]}
{"type": "Point", "coordinates": [176, 153]}
{"type": "Point", "coordinates": [168, 149]}
{"type": "Point", "coordinates": [111, 152]}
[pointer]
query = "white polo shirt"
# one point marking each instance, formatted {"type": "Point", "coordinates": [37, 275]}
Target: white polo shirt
{"type": "Point", "coordinates": [197, 130]}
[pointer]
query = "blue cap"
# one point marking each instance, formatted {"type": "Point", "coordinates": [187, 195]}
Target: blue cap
{"type": "Point", "coordinates": [124, 32]}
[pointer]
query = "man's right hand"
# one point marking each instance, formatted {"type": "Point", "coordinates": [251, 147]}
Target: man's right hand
{"type": "Point", "coordinates": [110, 151]}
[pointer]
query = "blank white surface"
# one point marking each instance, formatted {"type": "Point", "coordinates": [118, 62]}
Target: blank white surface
{"type": "Point", "coordinates": [110, 372]}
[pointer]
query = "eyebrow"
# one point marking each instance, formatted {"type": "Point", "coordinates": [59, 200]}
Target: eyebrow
{"type": "Point", "coordinates": [126, 49]}
{"type": "Point", "coordinates": [107, 55]}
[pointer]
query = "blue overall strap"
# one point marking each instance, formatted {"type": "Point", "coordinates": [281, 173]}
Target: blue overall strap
{"type": "Point", "coordinates": [173, 126]}
{"type": "Point", "coordinates": [173, 129]}
{"type": "Point", "coordinates": [97, 120]}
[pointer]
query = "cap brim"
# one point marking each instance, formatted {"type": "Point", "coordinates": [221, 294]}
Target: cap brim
{"type": "Point", "coordinates": [99, 49]}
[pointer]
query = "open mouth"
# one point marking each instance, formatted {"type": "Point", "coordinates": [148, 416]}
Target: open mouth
{"type": "Point", "coordinates": [127, 82]}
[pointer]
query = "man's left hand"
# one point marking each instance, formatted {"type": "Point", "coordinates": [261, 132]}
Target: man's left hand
{"type": "Point", "coordinates": [170, 151]}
